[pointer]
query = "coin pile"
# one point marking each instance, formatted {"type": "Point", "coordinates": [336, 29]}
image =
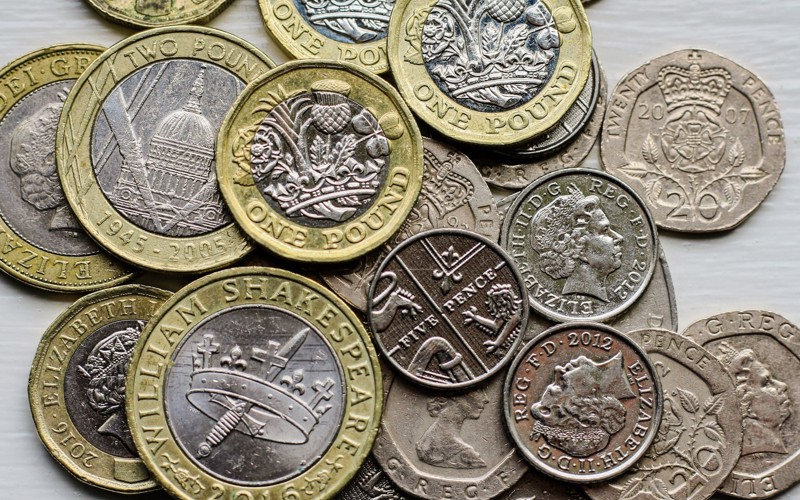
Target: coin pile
{"type": "Point", "coordinates": [402, 334]}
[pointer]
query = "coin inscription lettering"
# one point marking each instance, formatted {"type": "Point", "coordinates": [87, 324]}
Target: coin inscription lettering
{"type": "Point", "coordinates": [350, 21]}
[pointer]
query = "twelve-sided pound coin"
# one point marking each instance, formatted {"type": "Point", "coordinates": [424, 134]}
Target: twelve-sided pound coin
{"type": "Point", "coordinates": [254, 383]}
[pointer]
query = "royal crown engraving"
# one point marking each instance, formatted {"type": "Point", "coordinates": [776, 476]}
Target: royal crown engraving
{"type": "Point", "coordinates": [320, 155]}
{"type": "Point", "coordinates": [253, 395]}
{"type": "Point", "coordinates": [489, 55]}
{"type": "Point", "coordinates": [356, 20]}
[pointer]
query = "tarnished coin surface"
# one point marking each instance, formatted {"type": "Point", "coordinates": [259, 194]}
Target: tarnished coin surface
{"type": "Point", "coordinates": [699, 137]}
{"type": "Point", "coordinates": [448, 308]}
{"type": "Point", "coordinates": [136, 147]}
{"type": "Point", "coordinates": [453, 195]}
{"type": "Point", "coordinates": [760, 350]}
{"type": "Point", "coordinates": [582, 402]}
{"type": "Point", "coordinates": [352, 31]}
{"type": "Point", "coordinates": [320, 161]}
{"type": "Point", "coordinates": [438, 445]}
{"type": "Point", "coordinates": [44, 244]}
{"type": "Point", "coordinates": [77, 386]}
{"type": "Point", "coordinates": [254, 383]}
{"type": "Point", "coordinates": [700, 436]}
{"type": "Point", "coordinates": [584, 243]}
{"type": "Point", "coordinates": [537, 486]}
{"type": "Point", "coordinates": [157, 13]}
{"type": "Point", "coordinates": [519, 174]}
{"type": "Point", "coordinates": [490, 72]}
{"type": "Point", "coordinates": [371, 483]}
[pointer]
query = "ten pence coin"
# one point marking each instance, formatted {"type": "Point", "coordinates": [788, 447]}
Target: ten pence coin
{"type": "Point", "coordinates": [44, 244]}
{"type": "Point", "coordinates": [136, 145]}
{"type": "Point", "coordinates": [490, 72]}
{"type": "Point", "coordinates": [699, 137]}
{"type": "Point", "coordinates": [760, 350]}
{"type": "Point", "coordinates": [448, 308]}
{"type": "Point", "coordinates": [582, 402]}
{"type": "Point", "coordinates": [142, 14]}
{"type": "Point", "coordinates": [253, 366]}
{"type": "Point", "coordinates": [700, 435]}
{"type": "Point", "coordinates": [584, 242]}
{"type": "Point", "coordinates": [77, 386]}
{"type": "Point", "coordinates": [320, 161]}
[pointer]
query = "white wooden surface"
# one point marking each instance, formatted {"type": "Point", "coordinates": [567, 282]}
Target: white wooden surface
{"type": "Point", "coordinates": [754, 266]}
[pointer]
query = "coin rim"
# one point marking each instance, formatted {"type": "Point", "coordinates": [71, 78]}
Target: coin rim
{"type": "Point", "coordinates": [112, 15]}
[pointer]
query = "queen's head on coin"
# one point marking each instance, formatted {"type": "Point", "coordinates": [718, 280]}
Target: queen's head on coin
{"type": "Point", "coordinates": [442, 445]}
{"type": "Point", "coordinates": [574, 240]}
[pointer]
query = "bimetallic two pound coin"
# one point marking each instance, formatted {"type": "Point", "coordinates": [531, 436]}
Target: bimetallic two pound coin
{"type": "Point", "coordinates": [584, 242]}
{"type": "Point", "coordinates": [142, 14]}
{"type": "Point", "coordinates": [448, 308]}
{"type": "Point", "coordinates": [77, 386]}
{"type": "Point", "coordinates": [136, 146]}
{"type": "Point", "coordinates": [351, 31]}
{"type": "Point", "coordinates": [44, 244]}
{"type": "Point", "coordinates": [582, 402]}
{"type": "Point", "coordinates": [490, 72]}
{"type": "Point", "coordinates": [320, 161]}
{"type": "Point", "coordinates": [699, 137]}
{"type": "Point", "coordinates": [254, 383]}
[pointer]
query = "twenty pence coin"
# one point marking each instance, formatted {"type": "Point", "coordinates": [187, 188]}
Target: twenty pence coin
{"type": "Point", "coordinates": [761, 351]}
{"type": "Point", "coordinates": [584, 242]}
{"type": "Point", "coordinates": [77, 386]}
{"type": "Point", "coordinates": [371, 483]}
{"type": "Point", "coordinates": [700, 435]}
{"type": "Point", "coordinates": [699, 137]}
{"type": "Point", "coordinates": [44, 245]}
{"type": "Point", "coordinates": [492, 72]}
{"type": "Point", "coordinates": [448, 308]}
{"type": "Point", "coordinates": [142, 14]}
{"type": "Point", "coordinates": [254, 366]}
{"type": "Point", "coordinates": [582, 402]}
{"type": "Point", "coordinates": [453, 195]}
{"type": "Point", "coordinates": [136, 146]}
{"type": "Point", "coordinates": [320, 161]}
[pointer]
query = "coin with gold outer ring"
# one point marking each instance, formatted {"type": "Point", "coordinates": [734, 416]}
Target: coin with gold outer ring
{"type": "Point", "coordinates": [44, 244]}
{"type": "Point", "coordinates": [254, 382]}
{"type": "Point", "coordinates": [319, 161]}
{"type": "Point", "coordinates": [76, 388]}
{"type": "Point", "coordinates": [490, 72]}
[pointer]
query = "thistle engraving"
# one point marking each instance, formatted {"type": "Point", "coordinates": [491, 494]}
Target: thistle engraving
{"type": "Point", "coordinates": [353, 21]}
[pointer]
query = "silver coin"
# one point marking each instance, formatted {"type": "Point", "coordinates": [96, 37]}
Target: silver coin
{"type": "Point", "coordinates": [760, 350]}
{"type": "Point", "coordinates": [453, 195]}
{"type": "Point", "coordinates": [584, 243]}
{"type": "Point", "coordinates": [350, 21]}
{"type": "Point", "coordinates": [446, 445]}
{"type": "Point", "coordinates": [370, 483]}
{"type": "Point", "coordinates": [447, 308]}
{"type": "Point", "coordinates": [700, 436]}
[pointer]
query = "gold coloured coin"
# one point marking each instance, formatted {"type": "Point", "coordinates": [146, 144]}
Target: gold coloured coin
{"type": "Point", "coordinates": [256, 383]}
{"type": "Point", "coordinates": [490, 72]}
{"type": "Point", "coordinates": [44, 245]}
{"type": "Point", "coordinates": [320, 161]}
{"type": "Point", "coordinates": [142, 14]}
{"type": "Point", "coordinates": [136, 146]}
{"type": "Point", "coordinates": [77, 386]}
{"type": "Point", "coordinates": [352, 31]}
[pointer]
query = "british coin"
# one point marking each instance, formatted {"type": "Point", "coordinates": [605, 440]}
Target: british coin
{"type": "Point", "coordinates": [535, 486]}
{"type": "Point", "coordinates": [352, 31]}
{"type": "Point", "coordinates": [136, 147]}
{"type": "Point", "coordinates": [584, 243]}
{"type": "Point", "coordinates": [371, 483]}
{"type": "Point", "coordinates": [447, 308]}
{"type": "Point", "coordinates": [447, 445]}
{"type": "Point", "coordinates": [453, 195]}
{"type": "Point", "coordinates": [582, 402]}
{"type": "Point", "coordinates": [699, 137]}
{"type": "Point", "coordinates": [44, 244]}
{"type": "Point", "coordinates": [142, 14]}
{"type": "Point", "coordinates": [493, 72]}
{"type": "Point", "coordinates": [254, 366]}
{"type": "Point", "coordinates": [761, 352]}
{"type": "Point", "coordinates": [320, 161]}
{"type": "Point", "coordinates": [518, 175]}
{"type": "Point", "coordinates": [77, 386]}
{"type": "Point", "coordinates": [700, 436]}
